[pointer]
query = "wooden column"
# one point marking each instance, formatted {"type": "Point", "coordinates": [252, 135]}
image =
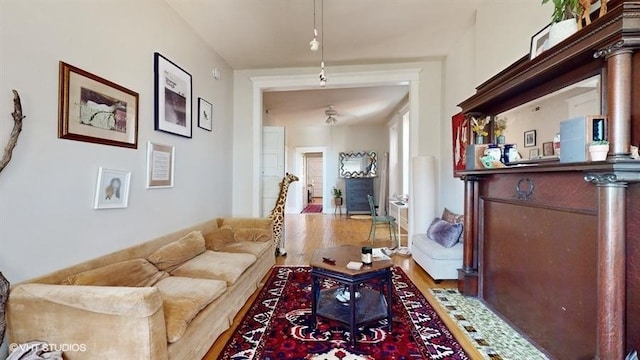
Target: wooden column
{"type": "Point", "coordinates": [611, 275]}
{"type": "Point", "coordinates": [619, 100]}
{"type": "Point", "coordinates": [468, 275]}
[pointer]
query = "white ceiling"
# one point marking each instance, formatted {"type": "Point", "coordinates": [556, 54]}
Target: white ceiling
{"type": "Point", "coordinates": [251, 34]}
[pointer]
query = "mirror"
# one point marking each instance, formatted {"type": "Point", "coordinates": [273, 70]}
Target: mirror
{"type": "Point", "coordinates": [533, 127]}
{"type": "Point", "coordinates": [358, 164]}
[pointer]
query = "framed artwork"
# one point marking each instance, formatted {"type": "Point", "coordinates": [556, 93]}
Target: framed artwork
{"type": "Point", "coordinates": [529, 138]}
{"type": "Point", "coordinates": [172, 88]}
{"type": "Point", "coordinates": [460, 136]}
{"type": "Point", "coordinates": [112, 189]}
{"type": "Point", "coordinates": [205, 114]}
{"type": "Point", "coordinates": [547, 148]}
{"type": "Point", "coordinates": [539, 42]}
{"type": "Point", "coordinates": [534, 153]}
{"type": "Point", "coordinates": [96, 110]}
{"type": "Point", "coordinates": [160, 165]}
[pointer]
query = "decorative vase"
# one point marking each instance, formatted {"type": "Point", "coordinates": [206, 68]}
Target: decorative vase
{"type": "Point", "coordinates": [562, 30]}
{"type": "Point", "coordinates": [337, 201]}
{"type": "Point", "coordinates": [479, 139]}
{"type": "Point", "coordinates": [598, 152]}
{"type": "Point", "coordinates": [501, 139]}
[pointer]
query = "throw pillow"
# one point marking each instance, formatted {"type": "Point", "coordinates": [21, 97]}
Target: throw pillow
{"type": "Point", "coordinates": [450, 216]}
{"type": "Point", "coordinates": [253, 234]}
{"type": "Point", "coordinates": [174, 254]}
{"type": "Point", "coordinates": [218, 238]}
{"type": "Point", "coordinates": [134, 273]}
{"type": "Point", "coordinates": [444, 232]}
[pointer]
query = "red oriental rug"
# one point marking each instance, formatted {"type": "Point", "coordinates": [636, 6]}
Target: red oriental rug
{"type": "Point", "coordinates": [278, 326]}
{"type": "Point", "coordinates": [311, 208]}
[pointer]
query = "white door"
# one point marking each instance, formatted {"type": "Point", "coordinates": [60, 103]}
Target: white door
{"type": "Point", "coordinates": [272, 166]}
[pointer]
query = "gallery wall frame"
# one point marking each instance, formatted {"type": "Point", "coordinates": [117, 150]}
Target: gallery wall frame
{"type": "Point", "coordinates": [112, 189]}
{"type": "Point", "coordinates": [205, 114]}
{"type": "Point", "coordinates": [96, 110]}
{"type": "Point", "coordinates": [172, 97]}
{"type": "Point", "coordinates": [529, 138]}
{"type": "Point", "coordinates": [160, 165]}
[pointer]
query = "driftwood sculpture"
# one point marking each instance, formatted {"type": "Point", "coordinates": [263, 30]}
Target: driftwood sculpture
{"type": "Point", "coordinates": [585, 11]}
{"type": "Point", "coordinates": [17, 127]}
{"type": "Point", "coordinates": [6, 157]}
{"type": "Point", "coordinates": [4, 295]}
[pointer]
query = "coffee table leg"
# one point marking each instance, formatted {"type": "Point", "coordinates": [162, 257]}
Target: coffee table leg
{"type": "Point", "coordinates": [352, 312]}
{"type": "Point", "coordinates": [389, 300]}
{"type": "Point", "coordinates": [315, 292]}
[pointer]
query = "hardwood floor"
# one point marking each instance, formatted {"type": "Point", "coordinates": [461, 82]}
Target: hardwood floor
{"type": "Point", "coordinates": [306, 232]}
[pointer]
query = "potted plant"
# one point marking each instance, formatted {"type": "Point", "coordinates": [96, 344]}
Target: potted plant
{"type": "Point", "coordinates": [564, 20]}
{"type": "Point", "coordinates": [598, 150]}
{"type": "Point", "coordinates": [478, 128]}
{"type": "Point", "coordinates": [337, 196]}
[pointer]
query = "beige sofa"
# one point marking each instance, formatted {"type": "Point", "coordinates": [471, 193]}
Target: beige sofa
{"type": "Point", "coordinates": [168, 298]}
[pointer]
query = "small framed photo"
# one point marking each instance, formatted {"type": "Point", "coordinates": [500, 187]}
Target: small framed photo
{"type": "Point", "coordinates": [539, 42]}
{"type": "Point", "coordinates": [534, 153]}
{"type": "Point", "coordinates": [529, 138]}
{"type": "Point", "coordinates": [205, 114]}
{"type": "Point", "coordinates": [172, 87]}
{"type": "Point", "coordinates": [112, 189]}
{"type": "Point", "coordinates": [160, 165]}
{"type": "Point", "coordinates": [547, 148]}
{"type": "Point", "coordinates": [96, 110]}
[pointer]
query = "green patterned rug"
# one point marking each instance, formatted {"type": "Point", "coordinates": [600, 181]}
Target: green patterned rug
{"type": "Point", "coordinates": [489, 334]}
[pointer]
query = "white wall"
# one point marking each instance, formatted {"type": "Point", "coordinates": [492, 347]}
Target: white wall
{"type": "Point", "coordinates": [47, 220]}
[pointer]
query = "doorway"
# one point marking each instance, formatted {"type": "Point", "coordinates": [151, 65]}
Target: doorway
{"type": "Point", "coordinates": [315, 183]}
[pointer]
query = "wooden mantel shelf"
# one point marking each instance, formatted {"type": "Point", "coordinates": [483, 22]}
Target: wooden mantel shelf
{"type": "Point", "coordinates": [549, 70]}
{"type": "Point", "coordinates": [611, 166]}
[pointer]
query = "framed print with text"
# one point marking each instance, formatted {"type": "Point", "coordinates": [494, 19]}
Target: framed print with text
{"type": "Point", "coordinates": [160, 165]}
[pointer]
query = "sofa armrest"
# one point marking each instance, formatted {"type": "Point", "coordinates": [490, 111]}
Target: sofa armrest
{"type": "Point", "coordinates": [90, 321]}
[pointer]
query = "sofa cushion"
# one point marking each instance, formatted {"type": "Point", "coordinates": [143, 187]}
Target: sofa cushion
{"type": "Point", "coordinates": [444, 232]}
{"type": "Point", "coordinates": [182, 300]}
{"type": "Point", "coordinates": [134, 272]}
{"type": "Point", "coordinates": [216, 265]}
{"type": "Point", "coordinates": [422, 244]}
{"type": "Point", "coordinates": [252, 234]}
{"type": "Point", "coordinates": [217, 239]}
{"type": "Point", "coordinates": [249, 247]}
{"type": "Point", "coordinates": [176, 253]}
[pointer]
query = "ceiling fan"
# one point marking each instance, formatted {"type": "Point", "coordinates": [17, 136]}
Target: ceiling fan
{"type": "Point", "coordinates": [331, 115]}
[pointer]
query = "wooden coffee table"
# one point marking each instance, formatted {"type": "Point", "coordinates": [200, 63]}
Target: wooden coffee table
{"type": "Point", "coordinates": [372, 304]}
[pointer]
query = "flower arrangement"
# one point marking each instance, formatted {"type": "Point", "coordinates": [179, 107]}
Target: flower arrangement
{"type": "Point", "coordinates": [478, 125]}
{"type": "Point", "coordinates": [500, 126]}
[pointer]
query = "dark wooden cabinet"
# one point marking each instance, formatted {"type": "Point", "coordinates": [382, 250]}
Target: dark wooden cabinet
{"type": "Point", "coordinates": [356, 190]}
{"type": "Point", "coordinates": [554, 248]}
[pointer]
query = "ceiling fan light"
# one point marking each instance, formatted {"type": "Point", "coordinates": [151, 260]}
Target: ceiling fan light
{"type": "Point", "coordinates": [323, 77]}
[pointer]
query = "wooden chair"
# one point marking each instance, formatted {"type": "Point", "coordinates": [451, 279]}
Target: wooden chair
{"type": "Point", "coordinates": [377, 220]}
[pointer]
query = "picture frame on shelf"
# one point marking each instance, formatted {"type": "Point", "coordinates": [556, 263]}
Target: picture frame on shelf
{"type": "Point", "coordinates": [173, 97]}
{"type": "Point", "coordinates": [112, 189]}
{"type": "Point", "coordinates": [547, 148]}
{"type": "Point", "coordinates": [96, 110]}
{"type": "Point", "coordinates": [205, 114]}
{"type": "Point", "coordinates": [534, 153]}
{"type": "Point", "coordinates": [530, 138]}
{"type": "Point", "coordinates": [539, 42]}
{"type": "Point", "coordinates": [160, 165]}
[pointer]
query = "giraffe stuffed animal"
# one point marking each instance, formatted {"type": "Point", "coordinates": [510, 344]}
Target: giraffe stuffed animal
{"type": "Point", "coordinates": [277, 214]}
{"type": "Point", "coordinates": [585, 12]}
